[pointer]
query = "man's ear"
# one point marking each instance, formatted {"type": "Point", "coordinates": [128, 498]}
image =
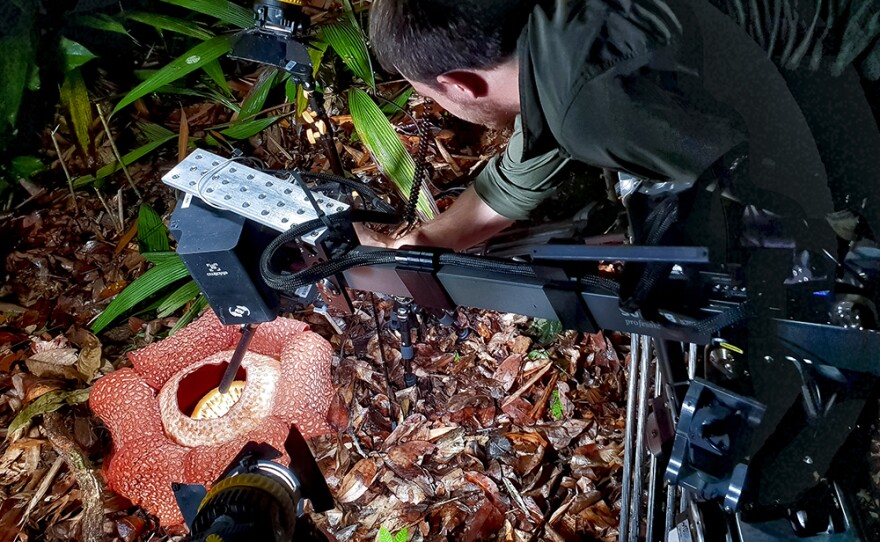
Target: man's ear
{"type": "Point", "coordinates": [464, 83]}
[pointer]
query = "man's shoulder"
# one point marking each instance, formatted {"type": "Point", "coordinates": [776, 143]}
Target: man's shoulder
{"type": "Point", "coordinates": [582, 38]}
{"type": "Point", "coordinates": [567, 44]}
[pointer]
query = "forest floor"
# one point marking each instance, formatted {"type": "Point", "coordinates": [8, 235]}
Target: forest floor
{"type": "Point", "coordinates": [513, 433]}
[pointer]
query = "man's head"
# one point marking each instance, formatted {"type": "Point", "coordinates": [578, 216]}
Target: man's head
{"type": "Point", "coordinates": [461, 53]}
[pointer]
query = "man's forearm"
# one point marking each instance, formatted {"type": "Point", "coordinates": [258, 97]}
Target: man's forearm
{"type": "Point", "coordinates": [468, 222]}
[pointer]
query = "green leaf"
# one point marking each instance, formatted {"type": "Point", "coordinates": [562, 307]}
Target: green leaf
{"type": "Point", "coordinates": [75, 98]}
{"type": "Point", "coordinates": [198, 305]}
{"type": "Point", "coordinates": [208, 95]}
{"type": "Point", "coordinates": [316, 49]}
{"type": "Point", "coordinates": [402, 535]}
{"type": "Point", "coordinates": [537, 354]}
{"type": "Point", "coordinates": [398, 103]}
{"type": "Point", "coordinates": [158, 258]}
{"type": "Point", "coordinates": [556, 408]}
{"type": "Point", "coordinates": [545, 331]}
{"type": "Point", "coordinates": [19, 54]}
{"type": "Point", "coordinates": [256, 98]}
{"type": "Point", "coordinates": [385, 535]}
{"type": "Point", "coordinates": [74, 54]}
{"type": "Point", "coordinates": [223, 10]}
{"type": "Point", "coordinates": [249, 128]}
{"type": "Point", "coordinates": [102, 21]}
{"type": "Point", "coordinates": [24, 167]}
{"type": "Point", "coordinates": [154, 132]}
{"type": "Point", "coordinates": [44, 404]}
{"type": "Point", "coordinates": [215, 72]}
{"type": "Point", "coordinates": [127, 159]}
{"type": "Point", "coordinates": [172, 24]}
{"type": "Point", "coordinates": [349, 12]}
{"type": "Point", "coordinates": [178, 298]}
{"type": "Point", "coordinates": [146, 285]}
{"type": "Point", "coordinates": [383, 143]}
{"type": "Point", "coordinates": [34, 78]}
{"type": "Point", "coordinates": [349, 44]}
{"type": "Point", "coordinates": [195, 58]}
{"type": "Point", "coordinates": [152, 234]}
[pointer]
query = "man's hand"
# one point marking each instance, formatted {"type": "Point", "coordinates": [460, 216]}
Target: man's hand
{"type": "Point", "coordinates": [373, 238]}
{"type": "Point", "coordinates": [468, 222]}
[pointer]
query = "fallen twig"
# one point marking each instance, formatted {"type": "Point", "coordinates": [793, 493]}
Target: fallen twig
{"type": "Point", "coordinates": [45, 483]}
{"type": "Point", "coordinates": [109, 212]}
{"type": "Point", "coordinates": [64, 168]}
{"type": "Point", "coordinates": [525, 387]}
{"type": "Point", "coordinates": [116, 151]}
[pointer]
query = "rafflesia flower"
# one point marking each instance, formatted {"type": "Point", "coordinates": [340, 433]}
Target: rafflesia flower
{"type": "Point", "coordinates": [157, 437]}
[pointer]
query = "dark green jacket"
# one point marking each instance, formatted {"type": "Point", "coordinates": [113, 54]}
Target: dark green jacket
{"type": "Point", "coordinates": [640, 86]}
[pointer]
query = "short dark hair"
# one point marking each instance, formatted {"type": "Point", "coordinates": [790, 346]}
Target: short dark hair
{"type": "Point", "coordinates": [422, 39]}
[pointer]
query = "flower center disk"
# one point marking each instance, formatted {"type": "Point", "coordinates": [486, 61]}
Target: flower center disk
{"type": "Point", "coordinates": [215, 404]}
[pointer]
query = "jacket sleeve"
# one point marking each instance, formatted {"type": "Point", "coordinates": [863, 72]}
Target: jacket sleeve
{"type": "Point", "coordinates": [513, 187]}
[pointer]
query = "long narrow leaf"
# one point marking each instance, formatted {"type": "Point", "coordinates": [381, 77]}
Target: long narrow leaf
{"type": "Point", "coordinates": [349, 44]}
{"type": "Point", "coordinates": [127, 159]}
{"type": "Point", "coordinates": [223, 10]}
{"type": "Point", "coordinates": [102, 21]}
{"type": "Point", "coordinates": [154, 132]}
{"type": "Point", "coordinates": [44, 404]}
{"type": "Point", "coordinates": [75, 97]}
{"type": "Point", "coordinates": [146, 285]}
{"type": "Point", "coordinates": [209, 95]}
{"type": "Point", "coordinates": [19, 56]}
{"type": "Point", "coordinates": [383, 143]}
{"type": "Point", "coordinates": [197, 306]}
{"type": "Point", "coordinates": [215, 72]}
{"type": "Point", "coordinates": [316, 49]}
{"type": "Point", "coordinates": [195, 58]}
{"type": "Point", "coordinates": [158, 258]}
{"type": "Point", "coordinates": [398, 103]}
{"type": "Point", "coordinates": [152, 234]}
{"type": "Point", "coordinates": [177, 299]}
{"type": "Point", "coordinates": [256, 98]}
{"type": "Point", "coordinates": [248, 128]}
{"type": "Point", "coordinates": [74, 54]}
{"type": "Point", "coordinates": [172, 24]}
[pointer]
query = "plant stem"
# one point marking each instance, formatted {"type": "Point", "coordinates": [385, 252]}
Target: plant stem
{"type": "Point", "coordinates": [115, 150]}
{"type": "Point", "coordinates": [109, 212]}
{"type": "Point", "coordinates": [64, 168]}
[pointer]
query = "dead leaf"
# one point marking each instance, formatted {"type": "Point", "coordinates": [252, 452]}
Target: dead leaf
{"type": "Point", "coordinates": [58, 362]}
{"type": "Point", "coordinates": [508, 371]}
{"type": "Point", "coordinates": [357, 481]}
{"type": "Point", "coordinates": [89, 361]}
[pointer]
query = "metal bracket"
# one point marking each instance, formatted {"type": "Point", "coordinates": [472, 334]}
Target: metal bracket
{"type": "Point", "coordinates": [247, 192]}
{"type": "Point", "coordinates": [713, 433]}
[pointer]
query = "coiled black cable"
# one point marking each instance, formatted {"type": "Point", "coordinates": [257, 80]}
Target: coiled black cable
{"type": "Point", "coordinates": [288, 282]}
{"type": "Point", "coordinates": [351, 184]}
{"type": "Point", "coordinates": [281, 281]}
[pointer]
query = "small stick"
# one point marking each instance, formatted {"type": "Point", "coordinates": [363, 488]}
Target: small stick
{"type": "Point", "coordinates": [116, 151]}
{"type": "Point", "coordinates": [109, 212]}
{"type": "Point", "coordinates": [47, 480]}
{"type": "Point", "coordinates": [119, 206]}
{"type": "Point", "coordinates": [64, 167]}
{"type": "Point", "coordinates": [525, 387]}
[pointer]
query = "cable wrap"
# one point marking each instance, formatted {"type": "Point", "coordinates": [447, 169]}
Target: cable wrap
{"type": "Point", "coordinates": [288, 282]}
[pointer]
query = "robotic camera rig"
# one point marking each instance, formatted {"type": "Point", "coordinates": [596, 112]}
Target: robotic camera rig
{"type": "Point", "coordinates": [763, 367]}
